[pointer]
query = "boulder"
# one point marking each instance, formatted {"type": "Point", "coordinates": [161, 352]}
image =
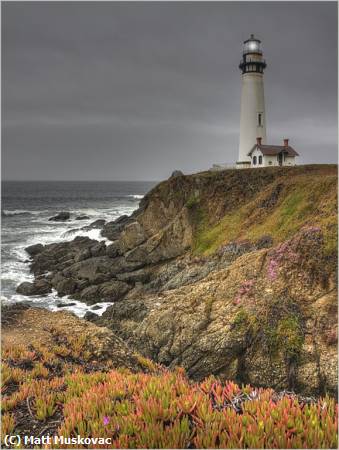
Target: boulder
{"type": "Point", "coordinates": [110, 291]}
{"type": "Point", "coordinates": [83, 217]}
{"type": "Point", "coordinates": [34, 250]}
{"type": "Point", "coordinates": [113, 250]}
{"type": "Point", "coordinates": [113, 291]}
{"type": "Point", "coordinates": [91, 316]}
{"type": "Point", "coordinates": [38, 287]}
{"type": "Point", "coordinates": [64, 305]}
{"type": "Point", "coordinates": [90, 295]}
{"type": "Point", "coordinates": [56, 257]}
{"type": "Point", "coordinates": [98, 249]}
{"type": "Point", "coordinates": [67, 286]}
{"type": "Point", "coordinates": [97, 224]}
{"type": "Point", "coordinates": [95, 270]}
{"type": "Point", "coordinates": [60, 217]}
{"type": "Point", "coordinates": [83, 254]}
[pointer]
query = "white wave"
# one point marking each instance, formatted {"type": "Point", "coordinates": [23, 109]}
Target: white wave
{"type": "Point", "coordinates": [36, 228]}
{"type": "Point", "coordinates": [79, 308]}
{"type": "Point", "coordinates": [136, 196]}
{"type": "Point", "coordinates": [92, 234]}
{"type": "Point", "coordinates": [17, 212]}
{"type": "Point", "coordinates": [50, 302]}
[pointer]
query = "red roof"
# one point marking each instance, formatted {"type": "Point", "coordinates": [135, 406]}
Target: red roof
{"type": "Point", "coordinates": [274, 150]}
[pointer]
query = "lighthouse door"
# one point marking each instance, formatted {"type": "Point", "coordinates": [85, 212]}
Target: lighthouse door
{"type": "Point", "coordinates": [280, 159]}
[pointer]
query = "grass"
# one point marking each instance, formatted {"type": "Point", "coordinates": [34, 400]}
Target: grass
{"type": "Point", "coordinates": [304, 200]}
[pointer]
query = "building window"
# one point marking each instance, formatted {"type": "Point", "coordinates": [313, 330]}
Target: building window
{"type": "Point", "coordinates": [260, 160]}
{"type": "Point", "coordinates": [269, 163]}
{"type": "Point", "coordinates": [260, 119]}
{"type": "Point", "coordinates": [254, 160]}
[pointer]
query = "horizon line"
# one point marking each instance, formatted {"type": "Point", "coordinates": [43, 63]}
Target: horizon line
{"type": "Point", "coordinates": [86, 181]}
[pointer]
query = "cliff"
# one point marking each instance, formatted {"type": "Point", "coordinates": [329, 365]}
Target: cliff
{"type": "Point", "coordinates": [229, 273]}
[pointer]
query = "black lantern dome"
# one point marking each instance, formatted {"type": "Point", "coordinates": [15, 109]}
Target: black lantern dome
{"type": "Point", "coordinates": [252, 56]}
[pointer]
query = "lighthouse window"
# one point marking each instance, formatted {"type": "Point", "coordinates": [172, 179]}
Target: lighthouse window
{"type": "Point", "coordinates": [259, 120]}
{"type": "Point", "coordinates": [254, 160]}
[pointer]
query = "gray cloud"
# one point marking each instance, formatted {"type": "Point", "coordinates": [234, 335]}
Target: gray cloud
{"type": "Point", "coordinates": [114, 90]}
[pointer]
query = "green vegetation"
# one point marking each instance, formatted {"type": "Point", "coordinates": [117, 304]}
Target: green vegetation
{"type": "Point", "coordinates": [161, 409]}
{"type": "Point", "coordinates": [192, 201]}
{"type": "Point", "coordinates": [304, 200]}
{"type": "Point", "coordinates": [278, 329]}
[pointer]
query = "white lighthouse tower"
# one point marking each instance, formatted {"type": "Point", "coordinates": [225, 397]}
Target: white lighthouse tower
{"type": "Point", "coordinates": [252, 113]}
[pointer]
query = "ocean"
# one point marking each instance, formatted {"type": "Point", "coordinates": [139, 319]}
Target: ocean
{"type": "Point", "coordinates": [25, 210]}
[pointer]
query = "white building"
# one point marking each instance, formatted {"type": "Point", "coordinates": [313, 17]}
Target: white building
{"type": "Point", "coordinates": [253, 115]}
{"type": "Point", "coordinates": [272, 155]}
{"type": "Point", "coordinates": [252, 111]}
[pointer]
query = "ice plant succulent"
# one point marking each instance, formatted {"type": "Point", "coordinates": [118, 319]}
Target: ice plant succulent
{"type": "Point", "coordinates": [159, 409]}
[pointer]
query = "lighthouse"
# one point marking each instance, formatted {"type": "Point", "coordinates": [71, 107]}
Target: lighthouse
{"type": "Point", "coordinates": [252, 111]}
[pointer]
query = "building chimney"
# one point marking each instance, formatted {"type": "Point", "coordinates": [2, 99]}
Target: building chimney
{"type": "Point", "coordinates": [258, 140]}
{"type": "Point", "coordinates": [285, 142]}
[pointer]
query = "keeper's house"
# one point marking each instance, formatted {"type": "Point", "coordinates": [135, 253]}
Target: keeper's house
{"type": "Point", "coordinates": [272, 155]}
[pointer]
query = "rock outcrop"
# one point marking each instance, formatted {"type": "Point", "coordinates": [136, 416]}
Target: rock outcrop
{"type": "Point", "coordinates": [266, 319]}
{"type": "Point", "coordinates": [230, 273]}
{"type": "Point", "coordinates": [98, 348]}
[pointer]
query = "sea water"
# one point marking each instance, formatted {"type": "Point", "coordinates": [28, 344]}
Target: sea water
{"type": "Point", "coordinates": [25, 210]}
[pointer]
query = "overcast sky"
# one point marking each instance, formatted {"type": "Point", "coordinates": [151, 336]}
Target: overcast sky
{"type": "Point", "coordinates": [132, 91]}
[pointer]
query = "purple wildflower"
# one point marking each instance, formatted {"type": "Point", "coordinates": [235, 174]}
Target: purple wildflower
{"type": "Point", "coordinates": [106, 420]}
{"type": "Point", "coordinates": [272, 269]}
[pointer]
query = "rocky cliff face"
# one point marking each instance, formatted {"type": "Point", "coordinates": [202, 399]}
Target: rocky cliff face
{"type": "Point", "coordinates": [230, 273]}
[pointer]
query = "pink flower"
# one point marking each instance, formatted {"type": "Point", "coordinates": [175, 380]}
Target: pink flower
{"type": "Point", "coordinates": [272, 269]}
{"type": "Point", "coordinates": [106, 420]}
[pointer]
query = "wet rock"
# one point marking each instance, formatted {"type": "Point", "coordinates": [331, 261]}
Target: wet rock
{"type": "Point", "coordinates": [114, 290]}
{"type": "Point", "coordinates": [83, 217]}
{"type": "Point", "coordinates": [60, 217]}
{"type": "Point", "coordinates": [83, 254]}
{"type": "Point", "coordinates": [66, 287]}
{"type": "Point", "coordinates": [97, 224]}
{"type": "Point", "coordinates": [38, 287]}
{"type": "Point", "coordinates": [71, 232]}
{"type": "Point", "coordinates": [56, 257]}
{"type": "Point", "coordinates": [98, 249]}
{"type": "Point", "coordinates": [91, 317]}
{"type": "Point", "coordinates": [64, 305]}
{"type": "Point", "coordinates": [95, 270]}
{"type": "Point", "coordinates": [110, 291]}
{"type": "Point", "coordinates": [112, 230]}
{"type": "Point", "coordinates": [35, 249]}
{"type": "Point", "coordinates": [113, 250]}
